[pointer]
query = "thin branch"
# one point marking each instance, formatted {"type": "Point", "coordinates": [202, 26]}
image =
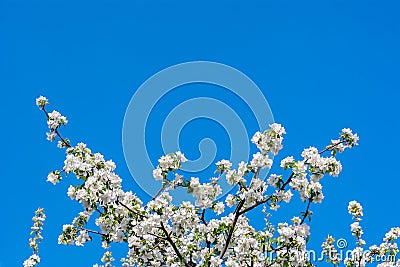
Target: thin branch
{"type": "Point", "coordinates": [237, 215]}
{"type": "Point", "coordinates": [331, 146]}
{"type": "Point", "coordinates": [228, 240]}
{"type": "Point", "coordinates": [306, 212]}
{"type": "Point", "coordinates": [126, 207]}
{"type": "Point", "coordinates": [56, 130]}
{"type": "Point", "coordinates": [202, 217]}
{"type": "Point", "coordinates": [171, 242]}
{"type": "Point", "coordinates": [92, 231]}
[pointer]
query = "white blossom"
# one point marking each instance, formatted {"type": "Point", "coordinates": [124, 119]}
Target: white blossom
{"type": "Point", "coordinates": [260, 161]}
{"type": "Point", "coordinates": [32, 261]}
{"type": "Point", "coordinates": [42, 101]}
{"type": "Point", "coordinates": [54, 177]}
{"type": "Point", "coordinates": [355, 209]}
{"type": "Point", "coordinates": [224, 165]}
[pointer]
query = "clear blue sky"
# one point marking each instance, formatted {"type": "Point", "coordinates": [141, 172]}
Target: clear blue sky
{"type": "Point", "coordinates": [322, 65]}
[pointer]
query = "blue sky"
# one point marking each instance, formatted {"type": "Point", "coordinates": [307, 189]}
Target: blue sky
{"type": "Point", "coordinates": [322, 66]}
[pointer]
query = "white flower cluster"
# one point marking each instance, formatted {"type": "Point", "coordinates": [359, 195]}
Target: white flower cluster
{"type": "Point", "coordinates": [168, 163]}
{"type": "Point", "coordinates": [293, 238]}
{"type": "Point", "coordinates": [347, 140]}
{"type": "Point", "coordinates": [260, 161]}
{"type": "Point", "coordinates": [205, 193]}
{"type": "Point", "coordinates": [254, 193]}
{"type": "Point", "coordinates": [355, 209]}
{"type": "Point", "coordinates": [223, 165]}
{"type": "Point", "coordinates": [54, 177]}
{"type": "Point", "coordinates": [270, 140]}
{"type": "Point", "coordinates": [107, 258]}
{"type": "Point", "coordinates": [54, 120]}
{"type": "Point", "coordinates": [32, 261]}
{"type": "Point", "coordinates": [387, 248]}
{"type": "Point", "coordinates": [318, 166]}
{"type": "Point", "coordinates": [234, 177]}
{"type": "Point", "coordinates": [307, 173]}
{"type": "Point", "coordinates": [385, 253]}
{"type": "Point", "coordinates": [100, 191]}
{"type": "Point", "coordinates": [209, 232]}
{"type": "Point", "coordinates": [41, 102]}
{"type": "Point", "coordinates": [392, 235]}
{"type": "Point", "coordinates": [36, 232]}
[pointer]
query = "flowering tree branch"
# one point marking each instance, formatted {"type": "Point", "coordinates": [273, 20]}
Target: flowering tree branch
{"type": "Point", "coordinates": [36, 232]}
{"type": "Point", "coordinates": [159, 233]}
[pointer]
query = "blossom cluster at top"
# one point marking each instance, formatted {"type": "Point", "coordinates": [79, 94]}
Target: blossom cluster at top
{"type": "Point", "coordinates": [54, 120]}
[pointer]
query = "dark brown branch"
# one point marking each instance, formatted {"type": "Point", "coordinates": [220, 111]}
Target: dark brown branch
{"type": "Point", "coordinates": [237, 215]}
{"type": "Point", "coordinates": [171, 242]}
{"type": "Point", "coordinates": [228, 240]}
{"type": "Point", "coordinates": [202, 217]}
{"type": "Point", "coordinates": [126, 207]}
{"type": "Point", "coordinates": [305, 215]}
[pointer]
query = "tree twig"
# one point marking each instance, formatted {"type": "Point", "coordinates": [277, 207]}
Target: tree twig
{"type": "Point", "coordinates": [171, 242]}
